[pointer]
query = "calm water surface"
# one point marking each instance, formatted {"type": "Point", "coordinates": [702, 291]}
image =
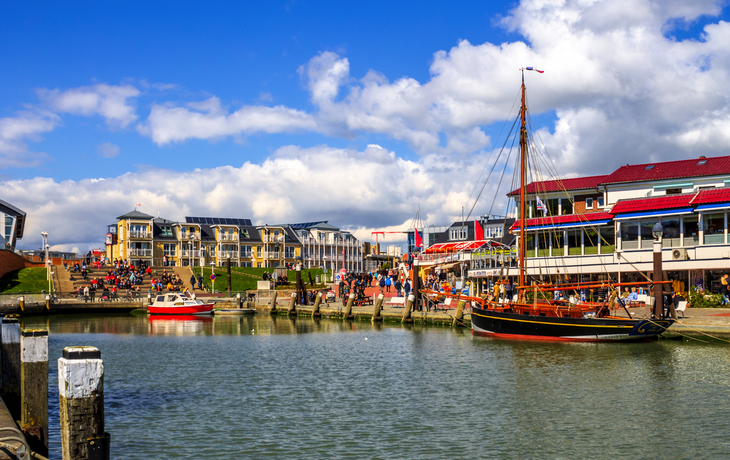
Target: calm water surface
{"type": "Point", "coordinates": [257, 387]}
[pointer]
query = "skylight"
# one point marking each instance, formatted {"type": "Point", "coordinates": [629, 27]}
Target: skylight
{"type": "Point", "coordinates": [701, 162]}
{"type": "Point", "coordinates": [650, 167]}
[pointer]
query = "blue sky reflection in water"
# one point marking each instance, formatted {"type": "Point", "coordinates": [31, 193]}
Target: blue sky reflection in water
{"type": "Point", "coordinates": [305, 389]}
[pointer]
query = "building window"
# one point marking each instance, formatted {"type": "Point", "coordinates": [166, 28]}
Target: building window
{"type": "Point", "coordinates": [566, 206]}
{"type": "Point", "coordinates": [245, 251]}
{"type": "Point", "coordinates": [674, 191]}
{"type": "Point", "coordinates": [691, 231]}
{"type": "Point", "coordinates": [608, 239]}
{"type": "Point", "coordinates": [166, 231]}
{"type": "Point", "coordinates": [289, 252]}
{"type": "Point", "coordinates": [552, 205]}
{"type": "Point", "coordinates": [574, 242]}
{"type": "Point", "coordinates": [714, 227]}
{"type": "Point", "coordinates": [600, 201]}
{"type": "Point", "coordinates": [258, 252]}
{"type": "Point", "coordinates": [456, 234]}
{"type": "Point", "coordinates": [589, 204]}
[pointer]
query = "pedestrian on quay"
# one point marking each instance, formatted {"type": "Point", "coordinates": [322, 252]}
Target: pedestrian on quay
{"type": "Point", "coordinates": [200, 282]}
{"type": "Point", "coordinates": [724, 288]}
{"type": "Point", "coordinates": [398, 287]}
{"type": "Point", "coordinates": [86, 294]}
{"type": "Point", "coordinates": [381, 284]}
{"type": "Point", "coordinates": [407, 287]}
{"type": "Point", "coordinates": [388, 283]}
{"type": "Point", "coordinates": [92, 292]}
{"type": "Point", "coordinates": [192, 281]}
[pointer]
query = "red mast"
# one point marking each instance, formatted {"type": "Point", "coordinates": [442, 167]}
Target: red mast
{"type": "Point", "coordinates": [523, 154]}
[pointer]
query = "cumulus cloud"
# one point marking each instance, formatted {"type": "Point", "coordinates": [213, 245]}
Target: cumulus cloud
{"type": "Point", "coordinates": [16, 131]}
{"type": "Point", "coordinates": [209, 120]}
{"type": "Point", "coordinates": [359, 191]}
{"type": "Point", "coordinates": [114, 103]}
{"type": "Point", "coordinates": [617, 81]}
{"type": "Point", "coordinates": [107, 150]}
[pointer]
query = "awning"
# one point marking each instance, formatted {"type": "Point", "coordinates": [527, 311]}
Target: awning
{"type": "Point", "coordinates": [650, 214]}
{"type": "Point", "coordinates": [461, 246]}
{"type": "Point", "coordinates": [564, 221]}
{"type": "Point", "coordinates": [709, 207]}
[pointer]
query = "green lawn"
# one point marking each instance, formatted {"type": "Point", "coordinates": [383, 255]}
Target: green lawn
{"type": "Point", "coordinates": [245, 278]}
{"type": "Point", "coordinates": [25, 280]}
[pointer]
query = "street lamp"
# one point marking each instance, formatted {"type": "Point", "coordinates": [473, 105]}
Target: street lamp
{"type": "Point", "coordinates": [191, 244]}
{"type": "Point", "coordinates": [657, 231]}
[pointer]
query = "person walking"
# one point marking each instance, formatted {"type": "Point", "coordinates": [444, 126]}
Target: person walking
{"type": "Point", "coordinates": [192, 281]}
{"type": "Point", "coordinates": [407, 287]}
{"type": "Point", "coordinates": [724, 288]}
{"type": "Point", "coordinates": [381, 284]}
{"type": "Point", "coordinates": [398, 287]}
{"type": "Point", "coordinates": [388, 283]}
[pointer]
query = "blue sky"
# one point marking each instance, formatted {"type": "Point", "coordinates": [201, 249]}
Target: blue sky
{"type": "Point", "coordinates": [300, 111]}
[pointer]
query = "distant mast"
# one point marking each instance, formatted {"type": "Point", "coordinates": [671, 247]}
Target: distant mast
{"type": "Point", "coordinates": [523, 153]}
{"type": "Point", "coordinates": [523, 162]}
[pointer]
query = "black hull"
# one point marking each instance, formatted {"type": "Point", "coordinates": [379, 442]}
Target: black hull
{"type": "Point", "coordinates": [515, 326]}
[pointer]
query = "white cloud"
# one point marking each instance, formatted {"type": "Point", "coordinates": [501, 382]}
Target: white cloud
{"type": "Point", "coordinates": [114, 103]}
{"type": "Point", "coordinates": [209, 120]}
{"type": "Point", "coordinates": [358, 190]}
{"type": "Point", "coordinates": [16, 131]}
{"type": "Point", "coordinates": [107, 150]}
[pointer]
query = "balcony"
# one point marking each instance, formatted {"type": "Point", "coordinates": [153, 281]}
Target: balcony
{"type": "Point", "coordinates": [246, 255]}
{"type": "Point", "coordinates": [272, 255]}
{"type": "Point", "coordinates": [170, 253]}
{"type": "Point", "coordinates": [190, 236]}
{"type": "Point", "coordinates": [140, 252]}
{"type": "Point", "coordinates": [273, 238]}
{"type": "Point", "coordinates": [227, 237]}
{"type": "Point", "coordinates": [227, 254]}
{"type": "Point", "coordinates": [137, 234]}
{"type": "Point", "coordinates": [189, 253]}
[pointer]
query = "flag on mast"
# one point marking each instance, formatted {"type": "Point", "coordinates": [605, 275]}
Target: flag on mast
{"type": "Point", "coordinates": [478, 230]}
{"type": "Point", "coordinates": [541, 206]}
{"type": "Point", "coordinates": [419, 241]}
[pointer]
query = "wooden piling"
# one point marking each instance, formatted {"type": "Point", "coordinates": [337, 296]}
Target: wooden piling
{"type": "Point", "coordinates": [10, 331]}
{"type": "Point", "coordinates": [293, 304]}
{"type": "Point", "coordinates": [48, 302]}
{"type": "Point", "coordinates": [378, 308]}
{"type": "Point", "coordinates": [409, 305]}
{"type": "Point", "coordinates": [459, 316]}
{"type": "Point", "coordinates": [317, 302]}
{"type": "Point", "coordinates": [348, 309]}
{"type": "Point", "coordinates": [239, 301]}
{"type": "Point", "coordinates": [81, 398]}
{"type": "Point", "coordinates": [21, 303]}
{"type": "Point", "coordinates": [272, 304]}
{"type": "Point", "coordinates": [34, 389]}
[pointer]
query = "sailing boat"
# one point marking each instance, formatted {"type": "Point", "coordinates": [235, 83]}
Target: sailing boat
{"type": "Point", "coordinates": [537, 316]}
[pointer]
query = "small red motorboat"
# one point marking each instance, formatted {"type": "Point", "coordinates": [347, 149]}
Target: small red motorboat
{"type": "Point", "coordinates": [179, 303]}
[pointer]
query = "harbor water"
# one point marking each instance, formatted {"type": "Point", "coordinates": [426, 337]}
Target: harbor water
{"type": "Point", "coordinates": [262, 387]}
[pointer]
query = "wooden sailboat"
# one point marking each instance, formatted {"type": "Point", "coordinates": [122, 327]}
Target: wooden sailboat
{"type": "Point", "coordinates": [536, 316]}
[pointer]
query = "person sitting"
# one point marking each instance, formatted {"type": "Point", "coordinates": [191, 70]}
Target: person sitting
{"type": "Point", "coordinates": [634, 296]}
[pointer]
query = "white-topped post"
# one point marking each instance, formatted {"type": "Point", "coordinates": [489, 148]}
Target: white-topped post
{"type": "Point", "coordinates": [81, 398]}
{"type": "Point", "coordinates": [34, 388]}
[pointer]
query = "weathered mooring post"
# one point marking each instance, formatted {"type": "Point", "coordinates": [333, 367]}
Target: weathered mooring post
{"type": "Point", "coordinates": [348, 309]}
{"type": "Point", "coordinates": [272, 304]}
{"type": "Point", "coordinates": [409, 305]}
{"type": "Point", "coordinates": [21, 303]}
{"type": "Point", "coordinates": [81, 398]}
{"type": "Point", "coordinates": [34, 389]}
{"type": "Point", "coordinates": [10, 331]}
{"type": "Point", "coordinates": [48, 302]}
{"type": "Point", "coordinates": [416, 283]}
{"type": "Point", "coordinates": [239, 301]}
{"type": "Point", "coordinates": [317, 302]}
{"type": "Point", "coordinates": [459, 316]}
{"type": "Point", "coordinates": [293, 305]}
{"type": "Point", "coordinates": [378, 308]}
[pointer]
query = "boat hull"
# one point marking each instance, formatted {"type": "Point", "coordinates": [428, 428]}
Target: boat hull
{"type": "Point", "coordinates": [235, 311]}
{"type": "Point", "coordinates": [202, 309]}
{"type": "Point", "coordinates": [491, 323]}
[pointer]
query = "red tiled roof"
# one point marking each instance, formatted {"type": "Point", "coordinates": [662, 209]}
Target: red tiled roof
{"type": "Point", "coordinates": [653, 204]}
{"type": "Point", "coordinates": [565, 219]}
{"type": "Point", "coordinates": [712, 195]}
{"type": "Point", "coordinates": [670, 170]}
{"type": "Point", "coordinates": [558, 185]}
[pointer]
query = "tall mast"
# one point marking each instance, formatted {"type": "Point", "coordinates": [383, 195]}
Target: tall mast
{"type": "Point", "coordinates": [523, 154]}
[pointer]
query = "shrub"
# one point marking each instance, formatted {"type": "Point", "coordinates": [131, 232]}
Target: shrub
{"type": "Point", "coordinates": [698, 298]}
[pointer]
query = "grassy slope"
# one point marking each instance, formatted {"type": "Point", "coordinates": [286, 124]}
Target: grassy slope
{"type": "Point", "coordinates": [244, 278]}
{"type": "Point", "coordinates": [25, 280]}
